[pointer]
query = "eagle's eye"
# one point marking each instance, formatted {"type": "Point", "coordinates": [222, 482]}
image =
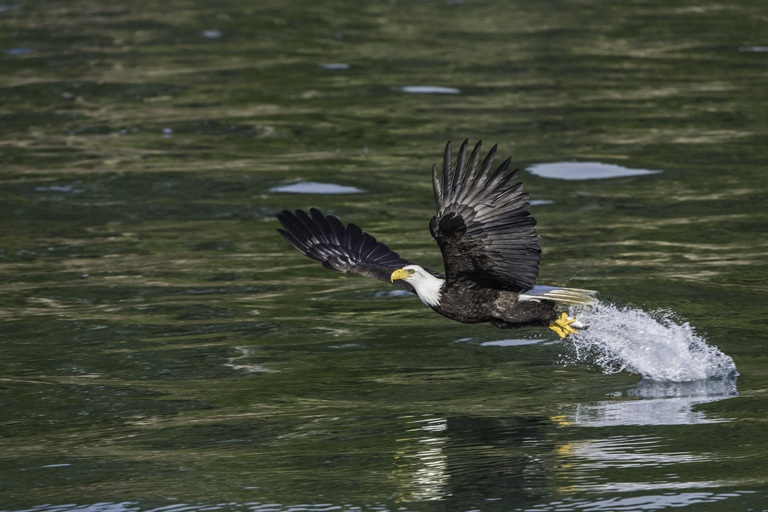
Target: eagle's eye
{"type": "Point", "coordinates": [410, 271]}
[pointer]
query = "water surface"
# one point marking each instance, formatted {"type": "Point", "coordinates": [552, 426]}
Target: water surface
{"type": "Point", "coordinates": [163, 348]}
{"type": "Point", "coordinates": [585, 171]}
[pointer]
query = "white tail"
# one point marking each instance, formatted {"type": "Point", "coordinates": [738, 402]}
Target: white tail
{"type": "Point", "coordinates": [575, 296]}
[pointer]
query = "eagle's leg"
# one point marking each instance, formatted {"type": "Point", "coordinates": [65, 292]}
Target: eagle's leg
{"type": "Point", "coordinates": [562, 326]}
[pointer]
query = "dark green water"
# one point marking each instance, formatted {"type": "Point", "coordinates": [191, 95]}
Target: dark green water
{"type": "Point", "coordinates": [163, 348]}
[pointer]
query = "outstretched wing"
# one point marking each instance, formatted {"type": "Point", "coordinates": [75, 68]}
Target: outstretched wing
{"type": "Point", "coordinates": [483, 225]}
{"type": "Point", "coordinates": [348, 250]}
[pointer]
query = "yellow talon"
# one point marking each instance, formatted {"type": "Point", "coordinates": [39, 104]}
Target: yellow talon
{"type": "Point", "coordinates": [562, 326]}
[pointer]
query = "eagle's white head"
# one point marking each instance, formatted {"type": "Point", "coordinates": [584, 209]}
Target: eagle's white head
{"type": "Point", "coordinates": [427, 286]}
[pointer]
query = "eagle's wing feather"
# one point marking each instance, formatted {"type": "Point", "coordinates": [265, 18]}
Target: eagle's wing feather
{"type": "Point", "coordinates": [348, 250]}
{"type": "Point", "coordinates": [483, 224]}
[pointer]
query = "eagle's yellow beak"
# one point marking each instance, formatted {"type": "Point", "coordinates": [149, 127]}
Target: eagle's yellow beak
{"type": "Point", "coordinates": [398, 274]}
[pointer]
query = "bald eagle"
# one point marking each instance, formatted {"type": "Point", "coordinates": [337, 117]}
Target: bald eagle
{"type": "Point", "coordinates": [489, 243]}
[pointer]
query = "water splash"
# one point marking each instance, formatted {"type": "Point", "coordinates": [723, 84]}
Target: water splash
{"type": "Point", "coordinates": [654, 345]}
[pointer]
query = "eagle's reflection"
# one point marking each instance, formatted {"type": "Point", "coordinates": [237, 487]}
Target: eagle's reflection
{"type": "Point", "coordinates": [523, 458]}
{"type": "Point", "coordinates": [470, 458]}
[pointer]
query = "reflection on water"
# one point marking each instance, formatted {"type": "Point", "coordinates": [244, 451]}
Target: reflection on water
{"type": "Point", "coordinates": [60, 188]}
{"type": "Point", "coordinates": [648, 501]}
{"type": "Point", "coordinates": [335, 65]}
{"type": "Point", "coordinates": [464, 461]}
{"type": "Point", "coordinates": [628, 452]}
{"type": "Point", "coordinates": [512, 342]}
{"type": "Point", "coordinates": [622, 454]}
{"type": "Point", "coordinates": [18, 51]}
{"type": "Point", "coordinates": [585, 171]}
{"type": "Point", "coordinates": [421, 465]}
{"type": "Point", "coordinates": [429, 89]}
{"type": "Point", "coordinates": [212, 34]}
{"type": "Point", "coordinates": [662, 403]}
{"type": "Point", "coordinates": [706, 390]}
{"type": "Point", "coordinates": [464, 458]}
{"type": "Point", "coordinates": [310, 187]}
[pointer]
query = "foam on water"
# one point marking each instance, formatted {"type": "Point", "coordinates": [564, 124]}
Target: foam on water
{"type": "Point", "coordinates": [654, 345]}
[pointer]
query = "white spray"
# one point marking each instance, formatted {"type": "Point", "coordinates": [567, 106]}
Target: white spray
{"type": "Point", "coordinates": [654, 345]}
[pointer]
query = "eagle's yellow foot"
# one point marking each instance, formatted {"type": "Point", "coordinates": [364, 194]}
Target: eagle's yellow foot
{"type": "Point", "coordinates": [562, 326]}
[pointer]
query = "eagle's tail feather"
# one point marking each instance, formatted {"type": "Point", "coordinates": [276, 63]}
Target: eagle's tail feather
{"type": "Point", "coordinates": [575, 296]}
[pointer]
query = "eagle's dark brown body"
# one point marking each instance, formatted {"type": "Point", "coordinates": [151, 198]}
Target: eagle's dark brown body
{"type": "Point", "coordinates": [498, 307]}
